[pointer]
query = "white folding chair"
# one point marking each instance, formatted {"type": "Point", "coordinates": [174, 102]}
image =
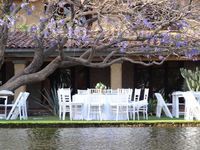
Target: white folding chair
{"type": "Point", "coordinates": [64, 101]}
{"type": "Point", "coordinates": [119, 106]}
{"type": "Point", "coordinates": [95, 106]}
{"type": "Point", "coordinates": [192, 107]}
{"type": "Point", "coordinates": [162, 105]}
{"type": "Point", "coordinates": [133, 107]}
{"type": "Point", "coordinates": [143, 104]}
{"type": "Point", "coordinates": [4, 99]}
{"type": "Point", "coordinates": [19, 107]}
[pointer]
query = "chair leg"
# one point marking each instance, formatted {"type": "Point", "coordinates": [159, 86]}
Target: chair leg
{"type": "Point", "coordinates": [63, 113]}
{"type": "Point", "coordinates": [5, 112]}
{"type": "Point", "coordinates": [158, 111]}
{"type": "Point", "coordinates": [133, 112]}
{"type": "Point", "coordinates": [70, 112]}
{"type": "Point", "coordinates": [146, 113]}
{"type": "Point", "coordinates": [138, 115]}
{"type": "Point", "coordinates": [127, 113]}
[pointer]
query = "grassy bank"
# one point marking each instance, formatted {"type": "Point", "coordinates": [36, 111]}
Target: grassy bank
{"type": "Point", "coordinates": [52, 121]}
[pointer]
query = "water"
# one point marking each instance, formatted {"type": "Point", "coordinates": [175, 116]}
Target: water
{"type": "Point", "coordinates": [100, 139]}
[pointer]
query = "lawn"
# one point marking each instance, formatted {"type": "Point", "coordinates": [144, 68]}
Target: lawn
{"type": "Point", "coordinates": [53, 121]}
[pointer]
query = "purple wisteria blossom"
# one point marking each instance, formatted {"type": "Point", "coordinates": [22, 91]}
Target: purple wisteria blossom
{"type": "Point", "coordinates": [1, 22]}
{"type": "Point", "coordinates": [12, 21]}
{"type": "Point", "coordinates": [62, 22]}
{"type": "Point", "coordinates": [193, 52]}
{"type": "Point", "coordinates": [24, 5]}
{"type": "Point", "coordinates": [43, 19]}
{"type": "Point", "coordinates": [166, 38]}
{"type": "Point", "coordinates": [33, 29]}
{"type": "Point", "coordinates": [46, 34]}
{"type": "Point", "coordinates": [123, 46]}
{"type": "Point", "coordinates": [160, 57]}
{"type": "Point", "coordinates": [33, 8]}
{"type": "Point", "coordinates": [29, 11]}
{"type": "Point", "coordinates": [148, 24]}
{"type": "Point", "coordinates": [12, 7]}
{"type": "Point", "coordinates": [70, 32]}
{"type": "Point", "coordinates": [180, 44]}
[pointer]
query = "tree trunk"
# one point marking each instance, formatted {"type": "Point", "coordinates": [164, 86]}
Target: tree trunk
{"type": "Point", "coordinates": [34, 77]}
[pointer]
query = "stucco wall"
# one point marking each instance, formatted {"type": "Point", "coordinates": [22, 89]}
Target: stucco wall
{"type": "Point", "coordinates": [23, 18]}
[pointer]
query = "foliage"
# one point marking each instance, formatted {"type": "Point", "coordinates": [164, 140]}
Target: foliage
{"type": "Point", "coordinates": [59, 79]}
{"type": "Point", "coordinates": [152, 103]}
{"type": "Point", "coordinates": [105, 32]}
{"type": "Point", "coordinates": [22, 27]}
{"type": "Point", "coordinates": [192, 78]}
{"type": "Point", "coordinates": [100, 85]}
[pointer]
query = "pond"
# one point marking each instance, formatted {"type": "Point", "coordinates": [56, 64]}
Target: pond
{"type": "Point", "coordinates": [100, 138]}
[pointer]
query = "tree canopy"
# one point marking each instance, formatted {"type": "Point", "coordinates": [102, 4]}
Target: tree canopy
{"type": "Point", "coordinates": [145, 32]}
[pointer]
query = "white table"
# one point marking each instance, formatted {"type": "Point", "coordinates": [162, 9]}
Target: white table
{"type": "Point", "coordinates": [175, 102]}
{"type": "Point", "coordinates": [106, 99]}
{"type": "Point", "coordinates": [4, 95]}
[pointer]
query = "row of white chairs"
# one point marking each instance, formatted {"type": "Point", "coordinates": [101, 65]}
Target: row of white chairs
{"type": "Point", "coordinates": [121, 105]}
{"type": "Point", "coordinates": [18, 108]}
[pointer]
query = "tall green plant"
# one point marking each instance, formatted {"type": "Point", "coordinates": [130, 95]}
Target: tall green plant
{"type": "Point", "coordinates": [192, 78]}
{"type": "Point", "coordinates": [59, 79]}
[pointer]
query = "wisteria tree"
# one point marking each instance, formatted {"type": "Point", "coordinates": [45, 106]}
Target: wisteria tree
{"type": "Point", "coordinates": [145, 32]}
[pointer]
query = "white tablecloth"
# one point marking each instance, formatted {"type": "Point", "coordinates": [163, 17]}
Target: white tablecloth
{"type": "Point", "coordinates": [105, 99]}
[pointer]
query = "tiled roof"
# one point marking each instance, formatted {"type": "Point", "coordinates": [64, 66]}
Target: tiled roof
{"type": "Point", "coordinates": [20, 40]}
{"type": "Point", "coordinates": [23, 40]}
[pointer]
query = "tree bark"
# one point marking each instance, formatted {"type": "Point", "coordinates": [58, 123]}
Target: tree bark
{"type": "Point", "coordinates": [34, 77]}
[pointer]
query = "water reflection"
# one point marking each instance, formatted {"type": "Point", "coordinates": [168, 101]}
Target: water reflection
{"type": "Point", "coordinates": [100, 138]}
{"type": "Point", "coordinates": [42, 139]}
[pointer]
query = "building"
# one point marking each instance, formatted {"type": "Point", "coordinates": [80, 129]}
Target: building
{"type": "Point", "coordinates": [19, 52]}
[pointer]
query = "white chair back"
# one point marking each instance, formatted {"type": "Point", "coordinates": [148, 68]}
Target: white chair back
{"type": "Point", "coordinates": [124, 91]}
{"type": "Point", "coordinates": [19, 107]}
{"type": "Point", "coordinates": [94, 91]}
{"type": "Point", "coordinates": [136, 96]}
{"type": "Point", "coordinates": [129, 92]}
{"type": "Point", "coordinates": [108, 91]}
{"type": "Point", "coordinates": [64, 95]}
{"type": "Point", "coordinates": [146, 94]}
{"type": "Point", "coordinates": [161, 105]}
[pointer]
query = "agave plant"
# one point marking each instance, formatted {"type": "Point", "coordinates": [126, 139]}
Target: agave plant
{"type": "Point", "coordinates": [192, 78]}
{"type": "Point", "coordinates": [59, 79]}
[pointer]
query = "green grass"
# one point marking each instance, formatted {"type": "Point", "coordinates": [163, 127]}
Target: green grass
{"type": "Point", "coordinates": [56, 119]}
{"type": "Point", "coordinates": [53, 121]}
